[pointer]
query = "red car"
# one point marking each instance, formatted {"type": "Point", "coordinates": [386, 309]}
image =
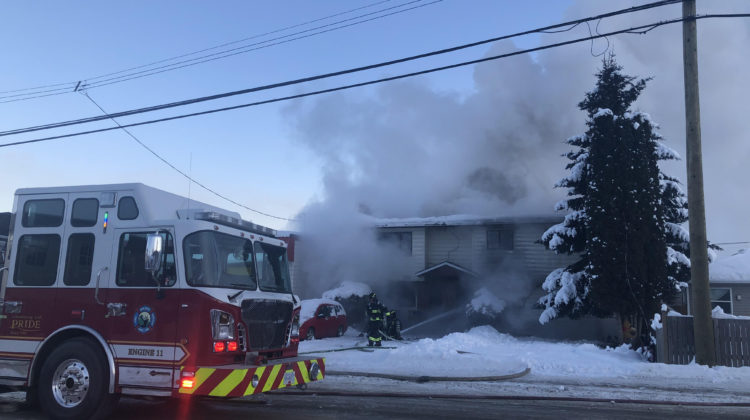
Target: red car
{"type": "Point", "coordinates": [321, 318]}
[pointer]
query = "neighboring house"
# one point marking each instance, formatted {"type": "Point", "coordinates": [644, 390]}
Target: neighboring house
{"type": "Point", "coordinates": [729, 279]}
{"type": "Point", "coordinates": [447, 259]}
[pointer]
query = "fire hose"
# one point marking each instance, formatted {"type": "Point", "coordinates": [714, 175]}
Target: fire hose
{"type": "Point", "coordinates": [423, 379]}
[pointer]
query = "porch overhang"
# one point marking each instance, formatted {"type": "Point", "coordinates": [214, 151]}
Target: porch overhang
{"type": "Point", "coordinates": [446, 268]}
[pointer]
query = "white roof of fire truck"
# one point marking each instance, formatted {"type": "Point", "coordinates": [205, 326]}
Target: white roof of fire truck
{"type": "Point", "coordinates": [158, 205]}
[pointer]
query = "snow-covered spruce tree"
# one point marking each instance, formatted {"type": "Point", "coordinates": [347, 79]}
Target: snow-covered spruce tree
{"type": "Point", "coordinates": [624, 214]}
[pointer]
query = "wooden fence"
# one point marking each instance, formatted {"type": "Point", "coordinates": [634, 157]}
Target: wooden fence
{"type": "Point", "coordinates": [675, 343]}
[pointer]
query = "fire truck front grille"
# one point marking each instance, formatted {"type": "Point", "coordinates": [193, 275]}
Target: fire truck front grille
{"type": "Point", "coordinates": [267, 322]}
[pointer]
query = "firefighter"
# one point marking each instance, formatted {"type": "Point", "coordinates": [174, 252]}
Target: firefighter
{"type": "Point", "coordinates": [375, 321]}
{"type": "Point", "coordinates": [392, 325]}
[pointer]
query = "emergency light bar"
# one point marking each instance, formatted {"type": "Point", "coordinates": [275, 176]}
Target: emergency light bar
{"type": "Point", "coordinates": [223, 219]}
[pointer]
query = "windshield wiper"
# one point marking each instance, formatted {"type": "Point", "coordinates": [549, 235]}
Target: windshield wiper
{"type": "Point", "coordinates": [239, 286]}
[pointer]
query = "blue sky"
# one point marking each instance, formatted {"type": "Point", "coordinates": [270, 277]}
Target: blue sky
{"type": "Point", "coordinates": [245, 154]}
{"type": "Point", "coordinates": [260, 157]}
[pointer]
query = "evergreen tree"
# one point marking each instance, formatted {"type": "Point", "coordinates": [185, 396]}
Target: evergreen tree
{"type": "Point", "coordinates": [624, 213]}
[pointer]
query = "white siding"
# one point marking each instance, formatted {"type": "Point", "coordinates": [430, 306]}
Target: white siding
{"type": "Point", "coordinates": [415, 262]}
{"type": "Point", "coordinates": [450, 243]}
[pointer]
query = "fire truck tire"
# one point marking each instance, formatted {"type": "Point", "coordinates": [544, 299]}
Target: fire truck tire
{"type": "Point", "coordinates": [73, 382]}
{"type": "Point", "coordinates": [310, 334]}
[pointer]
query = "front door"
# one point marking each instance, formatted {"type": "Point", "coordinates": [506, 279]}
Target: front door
{"type": "Point", "coordinates": [142, 317]}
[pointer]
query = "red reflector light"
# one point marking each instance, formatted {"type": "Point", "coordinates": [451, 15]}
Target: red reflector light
{"type": "Point", "coordinates": [188, 383]}
{"type": "Point", "coordinates": [232, 346]}
{"type": "Point", "coordinates": [219, 346]}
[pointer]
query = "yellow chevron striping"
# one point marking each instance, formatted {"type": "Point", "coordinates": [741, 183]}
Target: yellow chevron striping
{"type": "Point", "coordinates": [200, 376]}
{"type": "Point", "coordinates": [272, 378]}
{"type": "Point", "coordinates": [303, 371]}
{"type": "Point", "coordinates": [229, 383]}
{"type": "Point", "coordinates": [250, 388]}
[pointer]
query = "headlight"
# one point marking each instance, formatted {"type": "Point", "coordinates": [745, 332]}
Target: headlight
{"type": "Point", "coordinates": [295, 326]}
{"type": "Point", "coordinates": [222, 325]}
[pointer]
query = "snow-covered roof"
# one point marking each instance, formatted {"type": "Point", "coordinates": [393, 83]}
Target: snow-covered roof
{"type": "Point", "coordinates": [446, 264]}
{"type": "Point", "coordinates": [734, 269]}
{"type": "Point", "coordinates": [464, 220]}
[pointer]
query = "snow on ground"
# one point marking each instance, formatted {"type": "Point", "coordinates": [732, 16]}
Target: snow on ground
{"type": "Point", "coordinates": [559, 368]}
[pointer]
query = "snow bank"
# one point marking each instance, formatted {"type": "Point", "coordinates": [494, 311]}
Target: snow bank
{"type": "Point", "coordinates": [348, 289]}
{"type": "Point", "coordinates": [485, 303]}
{"type": "Point", "coordinates": [717, 312]}
{"type": "Point", "coordinates": [734, 269]}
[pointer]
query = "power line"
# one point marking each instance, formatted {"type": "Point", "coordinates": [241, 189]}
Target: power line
{"type": "Point", "coordinates": [165, 161]}
{"type": "Point", "coordinates": [633, 30]}
{"type": "Point", "coordinates": [203, 50]}
{"type": "Point", "coordinates": [339, 73]}
{"type": "Point", "coordinates": [215, 56]}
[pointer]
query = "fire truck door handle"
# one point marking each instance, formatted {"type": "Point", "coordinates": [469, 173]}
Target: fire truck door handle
{"type": "Point", "coordinates": [96, 292]}
{"type": "Point", "coordinates": [155, 373]}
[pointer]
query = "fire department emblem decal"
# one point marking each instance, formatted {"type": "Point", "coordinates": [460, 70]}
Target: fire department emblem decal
{"type": "Point", "coordinates": [144, 319]}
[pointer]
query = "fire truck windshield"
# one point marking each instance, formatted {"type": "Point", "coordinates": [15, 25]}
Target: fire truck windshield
{"type": "Point", "coordinates": [273, 270]}
{"type": "Point", "coordinates": [215, 259]}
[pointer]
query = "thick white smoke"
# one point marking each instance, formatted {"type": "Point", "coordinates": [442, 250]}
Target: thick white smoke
{"type": "Point", "coordinates": [411, 150]}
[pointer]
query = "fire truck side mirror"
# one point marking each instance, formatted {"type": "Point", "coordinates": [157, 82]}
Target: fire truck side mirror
{"type": "Point", "coordinates": [154, 249]}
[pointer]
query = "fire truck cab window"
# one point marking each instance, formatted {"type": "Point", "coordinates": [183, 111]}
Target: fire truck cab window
{"type": "Point", "coordinates": [43, 213]}
{"type": "Point", "coordinates": [127, 209]}
{"type": "Point", "coordinates": [85, 212]}
{"type": "Point", "coordinates": [36, 261]}
{"type": "Point", "coordinates": [215, 259]}
{"type": "Point", "coordinates": [273, 271]}
{"type": "Point", "coordinates": [79, 259]}
{"type": "Point", "coordinates": [131, 271]}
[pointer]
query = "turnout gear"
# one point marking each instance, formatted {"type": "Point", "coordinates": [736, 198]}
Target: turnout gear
{"type": "Point", "coordinates": [392, 325]}
{"type": "Point", "coordinates": [374, 321]}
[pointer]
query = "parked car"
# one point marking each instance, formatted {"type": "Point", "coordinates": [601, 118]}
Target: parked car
{"type": "Point", "coordinates": [321, 318]}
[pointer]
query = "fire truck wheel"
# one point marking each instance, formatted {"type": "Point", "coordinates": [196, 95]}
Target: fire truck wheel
{"type": "Point", "coordinates": [73, 381]}
{"type": "Point", "coordinates": [310, 333]}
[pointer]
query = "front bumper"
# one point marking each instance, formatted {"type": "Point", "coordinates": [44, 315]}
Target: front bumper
{"type": "Point", "coordinates": [241, 380]}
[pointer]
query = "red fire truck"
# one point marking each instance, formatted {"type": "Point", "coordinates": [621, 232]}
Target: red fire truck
{"type": "Point", "coordinates": [129, 290]}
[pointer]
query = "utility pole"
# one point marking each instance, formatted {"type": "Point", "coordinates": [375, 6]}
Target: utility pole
{"type": "Point", "coordinates": [703, 326]}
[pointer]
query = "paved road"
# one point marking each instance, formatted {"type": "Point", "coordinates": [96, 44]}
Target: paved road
{"type": "Point", "coordinates": [279, 406]}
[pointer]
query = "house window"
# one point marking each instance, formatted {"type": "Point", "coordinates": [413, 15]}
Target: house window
{"type": "Point", "coordinates": [501, 238]}
{"type": "Point", "coordinates": [401, 240]}
{"type": "Point", "coordinates": [722, 296]}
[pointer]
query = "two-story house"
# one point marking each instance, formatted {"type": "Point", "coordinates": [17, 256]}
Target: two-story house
{"type": "Point", "coordinates": [449, 258]}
